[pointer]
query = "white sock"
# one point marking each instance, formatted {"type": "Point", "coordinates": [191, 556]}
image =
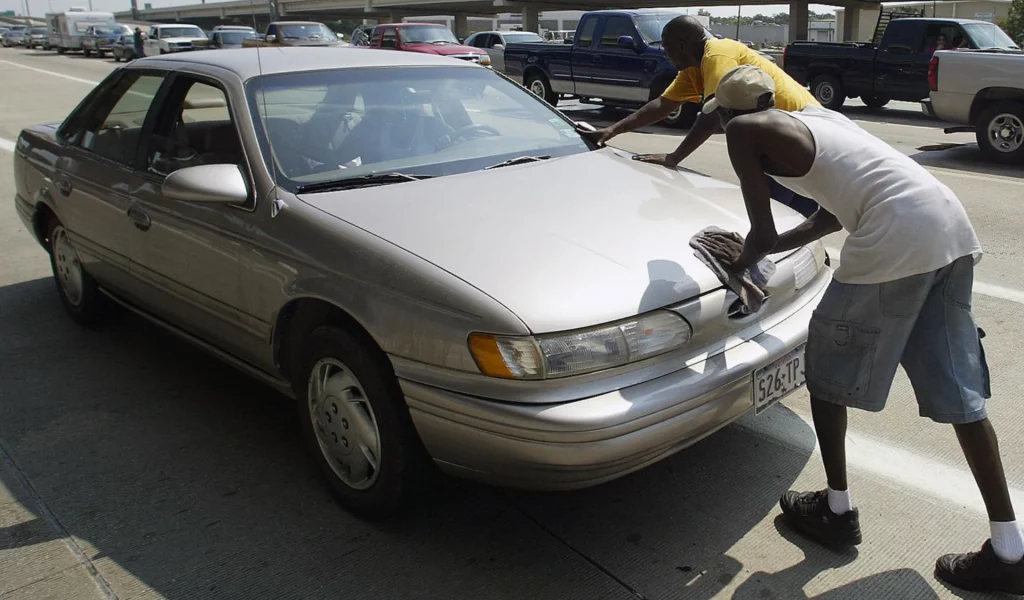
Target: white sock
{"type": "Point", "coordinates": [839, 501]}
{"type": "Point", "coordinates": [1007, 541]}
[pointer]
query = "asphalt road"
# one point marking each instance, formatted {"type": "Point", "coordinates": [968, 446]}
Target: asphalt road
{"type": "Point", "coordinates": [132, 466]}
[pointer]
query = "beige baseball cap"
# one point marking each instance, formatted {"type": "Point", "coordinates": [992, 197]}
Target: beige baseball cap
{"type": "Point", "coordinates": [740, 89]}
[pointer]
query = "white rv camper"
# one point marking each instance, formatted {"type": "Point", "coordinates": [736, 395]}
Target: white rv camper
{"type": "Point", "coordinates": [67, 28]}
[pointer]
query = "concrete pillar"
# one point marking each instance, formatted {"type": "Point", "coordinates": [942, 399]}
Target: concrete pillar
{"type": "Point", "coordinates": [531, 18]}
{"type": "Point", "coordinates": [394, 18]}
{"type": "Point", "coordinates": [798, 17]}
{"type": "Point", "coordinates": [851, 16]}
{"type": "Point", "coordinates": [461, 26]}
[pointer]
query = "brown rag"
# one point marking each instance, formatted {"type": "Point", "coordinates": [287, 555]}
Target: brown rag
{"type": "Point", "coordinates": [716, 247]}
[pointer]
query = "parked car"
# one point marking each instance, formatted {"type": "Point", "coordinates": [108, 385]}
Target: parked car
{"type": "Point", "coordinates": [15, 36]}
{"type": "Point", "coordinates": [179, 37]}
{"type": "Point", "coordinates": [425, 38]}
{"type": "Point", "coordinates": [99, 39]}
{"type": "Point", "coordinates": [123, 48]}
{"type": "Point", "coordinates": [983, 92]}
{"type": "Point", "coordinates": [494, 42]}
{"type": "Point", "coordinates": [615, 59]}
{"type": "Point", "coordinates": [894, 66]}
{"type": "Point", "coordinates": [599, 344]}
{"type": "Point", "coordinates": [361, 35]}
{"type": "Point", "coordinates": [38, 37]}
{"type": "Point", "coordinates": [295, 33]}
{"type": "Point", "coordinates": [231, 38]}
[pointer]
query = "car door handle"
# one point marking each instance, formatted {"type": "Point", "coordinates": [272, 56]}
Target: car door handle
{"type": "Point", "coordinates": [64, 187]}
{"type": "Point", "coordinates": [595, 58]}
{"type": "Point", "coordinates": [139, 218]}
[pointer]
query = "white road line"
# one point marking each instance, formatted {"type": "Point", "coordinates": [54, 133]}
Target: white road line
{"type": "Point", "coordinates": [7, 145]}
{"type": "Point", "coordinates": [980, 287]}
{"type": "Point", "coordinates": [880, 460]}
{"type": "Point", "coordinates": [44, 71]}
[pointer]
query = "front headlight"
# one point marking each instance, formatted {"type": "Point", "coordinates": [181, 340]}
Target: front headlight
{"type": "Point", "coordinates": [807, 262]}
{"type": "Point", "coordinates": [485, 60]}
{"type": "Point", "coordinates": [582, 351]}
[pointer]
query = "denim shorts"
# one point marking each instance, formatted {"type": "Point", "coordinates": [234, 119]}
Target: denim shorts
{"type": "Point", "coordinates": [859, 334]}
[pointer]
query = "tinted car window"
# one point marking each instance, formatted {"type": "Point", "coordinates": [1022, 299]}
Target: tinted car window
{"type": "Point", "coordinates": [113, 129]}
{"type": "Point", "coordinates": [614, 28]}
{"type": "Point", "coordinates": [586, 35]}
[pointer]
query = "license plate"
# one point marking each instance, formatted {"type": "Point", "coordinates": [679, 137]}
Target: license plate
{"type": "Point", "coordinates": [778, 380]}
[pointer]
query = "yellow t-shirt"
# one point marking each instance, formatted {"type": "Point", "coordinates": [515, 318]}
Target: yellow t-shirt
{"type": "Point", "coordinates": [697, 84]}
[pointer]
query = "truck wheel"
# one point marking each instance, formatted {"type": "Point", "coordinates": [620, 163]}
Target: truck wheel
{"type": "Point", "coordinates": [538, 84]}
{"type": "Point", "coordinates": [87, 53]}
{"type": "Point", "coordinates": [828, 91]}
{"type": "Point", "coordinates": [61, 50]}
{"type": "Point", "coordinates": [682, 117]}
{"type": "Point", "coordinates": [356, 424]}
{"type": "Point", "coordinates": [874, 101]}
{"type": "Point", "coordinates": [1000, 132]}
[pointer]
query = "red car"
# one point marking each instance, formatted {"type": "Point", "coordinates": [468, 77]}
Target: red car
{"type": "Point", "coordinates": [425, 38]}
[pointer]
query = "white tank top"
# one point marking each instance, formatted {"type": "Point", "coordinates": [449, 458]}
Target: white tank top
{"type": "Point", "coordinates": [901, 220]}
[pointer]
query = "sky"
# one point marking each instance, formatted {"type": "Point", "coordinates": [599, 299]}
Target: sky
{"type": "Point", "coordinates": [38, 8]}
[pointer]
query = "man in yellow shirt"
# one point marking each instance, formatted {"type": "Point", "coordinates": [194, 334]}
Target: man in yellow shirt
{"type": "Point", "coordinates": [702, 61]}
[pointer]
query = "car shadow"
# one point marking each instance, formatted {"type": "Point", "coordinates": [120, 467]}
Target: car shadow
{"type": "Point", "coordinates": [174, 472]}
{"type": "Point", "coordinates": [886, 115]}
{"type": "Point", "coordinates": [965, 157]}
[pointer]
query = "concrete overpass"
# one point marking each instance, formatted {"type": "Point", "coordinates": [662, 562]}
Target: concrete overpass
{"type": "Point", "coordinates": [260, 12]}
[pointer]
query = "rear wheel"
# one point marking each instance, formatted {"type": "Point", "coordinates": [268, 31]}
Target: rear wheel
{"type": "Point", "coordinates": [828, 91]}
{"type": "Point", "coordinates": [78, 291]}
{"type": "Point", "coordinates": [87, 53]}
{"type": "Point", "coordinates": [356, 423]}
{"type": "Point", "coordinates": [1000, 132]}
{"type": "Point", "coordinates": [874, 101]}
{"type": "Point", "coordinates": [539, 85]}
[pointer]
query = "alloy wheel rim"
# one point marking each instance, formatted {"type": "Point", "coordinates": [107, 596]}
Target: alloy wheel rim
{"type": "Point", "coordinates": [1006, 132]}
{"type": "Point", "coordinates": [344, 424]}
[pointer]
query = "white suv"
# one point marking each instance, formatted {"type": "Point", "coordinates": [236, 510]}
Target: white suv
{"type": "Point", "coordinates": [178, 37]}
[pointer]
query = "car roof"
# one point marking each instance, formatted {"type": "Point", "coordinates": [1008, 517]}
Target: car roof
{"type": "Point", "coordinates": [412, 23]}
{"type": "Point", "coordinates": [639, 11]}
{"type": "Point", "coordinates": [944, 19]}
{"type": "Point", "coordinates": [296, 23]}
{"type": "Point", "coordinates": [161, 25]}
{"type": "Point", "coordinates": [246, 63]}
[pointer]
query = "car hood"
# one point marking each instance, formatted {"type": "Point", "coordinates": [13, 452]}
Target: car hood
{"type": "Point", "coordinates": [565, 243]}
{"type": "Point", "coordinates": [442, 49]}
{"type": "Point", "coordinates": [312, 42]}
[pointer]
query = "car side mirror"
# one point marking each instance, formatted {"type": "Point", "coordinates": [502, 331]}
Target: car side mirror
{"type": "Point", "coordinates": [213, 184]}
{"type": "Point", "coordinates": [627, 42]}
{"type": "Point", "coordinates": [271, 38]}
{"type": "Point", "coordinates": [498, 46]}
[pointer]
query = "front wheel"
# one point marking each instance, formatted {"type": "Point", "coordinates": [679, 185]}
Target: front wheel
{"type": "Point", "coordinates": [1000, 132]}
{"type": "Point", "coordinates": [539, 85]}
{"type": "Point", "coordinates": [828, 91]}
{"type": "Point", "coordinates": [356, 423]}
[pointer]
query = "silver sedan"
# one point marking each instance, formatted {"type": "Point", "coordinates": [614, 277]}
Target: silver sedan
{"type": "Point", "coordinates": [432, 261]}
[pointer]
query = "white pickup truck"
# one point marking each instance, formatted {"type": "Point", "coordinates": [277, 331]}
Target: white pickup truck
{"type": "Point", "coordinates": [981, 91]}
{"type": "Point", "coordinates": [179, 37]}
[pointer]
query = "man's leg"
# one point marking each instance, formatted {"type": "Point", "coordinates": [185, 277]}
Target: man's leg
{"type": "Point", "coordinates": [981, 448]}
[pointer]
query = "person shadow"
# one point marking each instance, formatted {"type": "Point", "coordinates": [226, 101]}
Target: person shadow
{"type": "Point", "coordinates": [789, 583]}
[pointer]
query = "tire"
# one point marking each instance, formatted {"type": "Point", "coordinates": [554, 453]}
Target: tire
{"type": "Point", "coordinates": [1000, 132]}
{"type": "Point", "coordinates": [874, 101]}
{"type": "Point", "coordinates": [828, 91]}
{"type": "Point", "coordinates": [87, 53]}
{"type": "Point", "coordinates": [683, 117]}
{"type": "Point", "coordinates": [61, 50]}
{"type": "Point", "coordinates": [539, 85]}
{"type": "Point", "coordinates": [402, 462]}
{"type": "Point", "coordinates": [78, 291]}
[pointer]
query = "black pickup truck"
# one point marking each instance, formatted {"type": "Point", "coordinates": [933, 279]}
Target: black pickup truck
{"type": "Point", "coordinates": [893, 66]}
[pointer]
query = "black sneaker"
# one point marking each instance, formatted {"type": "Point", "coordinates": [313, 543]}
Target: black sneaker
{"type": "Point", "coordinates": [809, 513]}
{"type": "Point", "coordinates": [981, 572]}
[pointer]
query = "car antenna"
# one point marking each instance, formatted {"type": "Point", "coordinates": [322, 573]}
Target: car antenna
{"type": "Point", "coordinates": [277, 204]}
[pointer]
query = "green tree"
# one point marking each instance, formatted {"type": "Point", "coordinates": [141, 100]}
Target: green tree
{"type": "Point", "coordinates": [1013, 24]}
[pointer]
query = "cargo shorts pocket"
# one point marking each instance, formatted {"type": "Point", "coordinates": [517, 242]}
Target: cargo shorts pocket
{"type": "Point", "coordinates": [840, 357]}
{"type": "Point", "coordinates": [984, 364]}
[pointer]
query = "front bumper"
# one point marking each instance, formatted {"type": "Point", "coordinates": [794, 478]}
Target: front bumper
{"type": "Point", "coordinates": [591, 441]}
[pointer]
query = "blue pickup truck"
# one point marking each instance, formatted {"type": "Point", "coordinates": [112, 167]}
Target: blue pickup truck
{"type": "Point", "coordinates": [615, 59]}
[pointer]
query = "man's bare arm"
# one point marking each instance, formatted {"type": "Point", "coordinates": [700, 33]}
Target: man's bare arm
{"type": "Point", "coordinates": [703, 128]}
{"type": "Point", "coordinates": [817, 226]}
{"type": "Point", "coordinates": [745, 153]}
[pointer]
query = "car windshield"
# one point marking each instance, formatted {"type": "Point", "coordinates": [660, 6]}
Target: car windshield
{"type": "Point", "coordinates": [306, 32]}
{"type": "Point", "coordinates": [650, 25]}
{"type": "Point", "coordinates": [989, 35]}
{"type": "Point", "coordinates": [522, 37]}
{"type": "Point", "coordinates": [39, 30]}
{"type": "Point", "coordinates": [326, 126]}
{"type": "Point", "coordinates": [114, 29]}
{"type": "Point", "coordinates": [236, 37]}
{"type": "Point", "coordinates": [427, 34]}
{"type": "Point", "coordinates": [181, 32]}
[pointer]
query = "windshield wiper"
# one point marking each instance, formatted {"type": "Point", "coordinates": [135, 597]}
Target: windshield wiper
{"type": "Point", "coordinates": [360, 181]}
{"type": "Point", "coordinates": [517, 161]}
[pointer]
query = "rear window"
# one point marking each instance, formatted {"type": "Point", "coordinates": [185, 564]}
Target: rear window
{"type": "Point", "coordinates": [989, 35]}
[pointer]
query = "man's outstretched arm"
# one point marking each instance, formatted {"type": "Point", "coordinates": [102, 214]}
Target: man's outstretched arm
{"type": "Point", "coordinates": [817, 226]}
{"type": "Point", "coordinates": [650, 113]}
{"type": "Point", "coordinates": [745, 154]}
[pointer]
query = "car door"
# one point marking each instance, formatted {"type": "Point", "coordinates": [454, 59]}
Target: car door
{"type": "Point", "coordinates": [617, 70]}
{"type": "Point", "coordinates": [584, 67]}
{"type": "Point", "coordinates": [389, 38]}
{"type": "Point", "coordinates": [901, 63]}
{"type": "Point", "coordinates": [99, 170]}
{"type": "Point", "coordinates": [190, 256]}
{"type": "Point", "coordinates": [152, 44]}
